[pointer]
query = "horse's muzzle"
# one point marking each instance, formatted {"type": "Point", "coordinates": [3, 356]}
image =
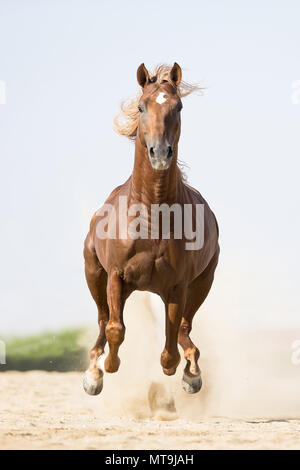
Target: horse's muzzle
{"type": "Point", "coordinates": [160, 156]}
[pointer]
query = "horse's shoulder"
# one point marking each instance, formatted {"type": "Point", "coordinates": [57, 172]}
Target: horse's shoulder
{"type": "Point", "coordinates": [194, 193]}
{"type": "Point", "coordinates": [116, 191]}
{"type": "Point", "coordinates": [110, 200]}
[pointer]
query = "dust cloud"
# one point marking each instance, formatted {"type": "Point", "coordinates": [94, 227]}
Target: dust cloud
{"type": "Point", "coordinates": [245, 375]}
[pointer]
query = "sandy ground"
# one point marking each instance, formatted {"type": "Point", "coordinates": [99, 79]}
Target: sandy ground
{"type": "Point", "coordinates": [40, 410]}
{"type": "Point", "coordinates": [250, 397]}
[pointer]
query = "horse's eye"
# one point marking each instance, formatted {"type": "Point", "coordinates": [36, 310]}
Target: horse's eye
{"type": "Point", "coordinates": [179, 107]}
{"type": "Point", "coordinates": [140, 108]}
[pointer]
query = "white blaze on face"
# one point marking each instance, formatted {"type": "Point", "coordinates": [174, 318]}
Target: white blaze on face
{"type": "Point", "coordinates": [161, 98]}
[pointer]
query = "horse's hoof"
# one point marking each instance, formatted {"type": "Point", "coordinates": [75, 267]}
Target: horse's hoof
{"type": "Point", "coordinates": [191, 384]}
{"type": "Point", "coordinates": [93, 382]}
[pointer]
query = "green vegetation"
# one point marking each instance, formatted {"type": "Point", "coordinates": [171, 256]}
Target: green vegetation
{"type": "Point", "coordinates": [61, 351]}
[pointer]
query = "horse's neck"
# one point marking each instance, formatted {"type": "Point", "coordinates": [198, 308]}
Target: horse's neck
{"type": "Point", "coordinates": [150, 186]}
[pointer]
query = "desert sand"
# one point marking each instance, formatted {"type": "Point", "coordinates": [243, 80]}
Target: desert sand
{"type": "Point", "coordinates": [250, 397]}
{"type": "Point", "coordinates": [40, 410]}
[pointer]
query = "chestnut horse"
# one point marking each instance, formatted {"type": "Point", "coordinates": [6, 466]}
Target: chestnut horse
{"type": "Point", "coordinates": [116, 266]}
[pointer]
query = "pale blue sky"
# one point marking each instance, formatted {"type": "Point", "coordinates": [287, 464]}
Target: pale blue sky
{"type": "Point", "coordinates": [67, 65]}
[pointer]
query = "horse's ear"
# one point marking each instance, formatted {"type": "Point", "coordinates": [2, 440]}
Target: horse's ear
{"type": "Point", "coordinates": [176, 74]}
{"type": "Point", "coordinates": [142, 75]}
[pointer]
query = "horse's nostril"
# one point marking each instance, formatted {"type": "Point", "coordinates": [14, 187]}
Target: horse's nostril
{"type": "Point", "coordinates": [151, 152]}
{"type": "Point", "coordinates": [170, 152]}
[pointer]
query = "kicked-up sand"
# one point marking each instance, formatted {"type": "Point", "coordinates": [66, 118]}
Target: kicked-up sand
{"type": "Point", "coordinates": [41, 410]}
{"type": "Point", "coordinates": [250, 397]}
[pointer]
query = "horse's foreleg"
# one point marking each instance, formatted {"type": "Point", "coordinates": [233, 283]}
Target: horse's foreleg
{"type": "Point", "coordinates": [115, 329]}
{"type": "Point", "coordinates": [191, 381]}
{"type": "Point", "coordinates": [196, 294]}
{"type": "Point", "coordinates": [96, 278]}
{"type": "Point", "coordinates": [170, 357]}
{"type": "Point", "coordinates": [93, 378]}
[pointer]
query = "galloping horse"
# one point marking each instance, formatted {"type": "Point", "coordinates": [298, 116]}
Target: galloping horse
{"type": "Point", "coordinates": [115, 266]}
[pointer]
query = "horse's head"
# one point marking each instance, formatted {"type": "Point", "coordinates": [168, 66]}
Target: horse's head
{"type": "Point", "coordinates": [159, 123]}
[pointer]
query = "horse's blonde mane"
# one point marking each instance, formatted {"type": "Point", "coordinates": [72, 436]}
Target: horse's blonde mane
{"type": "Point", "coordinates": [127, 121]}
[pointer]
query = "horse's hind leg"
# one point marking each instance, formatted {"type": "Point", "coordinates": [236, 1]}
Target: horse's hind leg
{"type": "Point", "coordinates": [96, 278]}
{"type": "Point", "coordinates": [197, 293]}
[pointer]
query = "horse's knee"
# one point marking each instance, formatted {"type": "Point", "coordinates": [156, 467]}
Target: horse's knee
{"type": "Point", "coordinates": [169, 361]}
{"type": "Point", "coordinates": [115, 332]}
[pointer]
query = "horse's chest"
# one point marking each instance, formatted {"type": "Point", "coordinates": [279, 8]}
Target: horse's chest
{"type": "Point", "coordinates": [150, 271]}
